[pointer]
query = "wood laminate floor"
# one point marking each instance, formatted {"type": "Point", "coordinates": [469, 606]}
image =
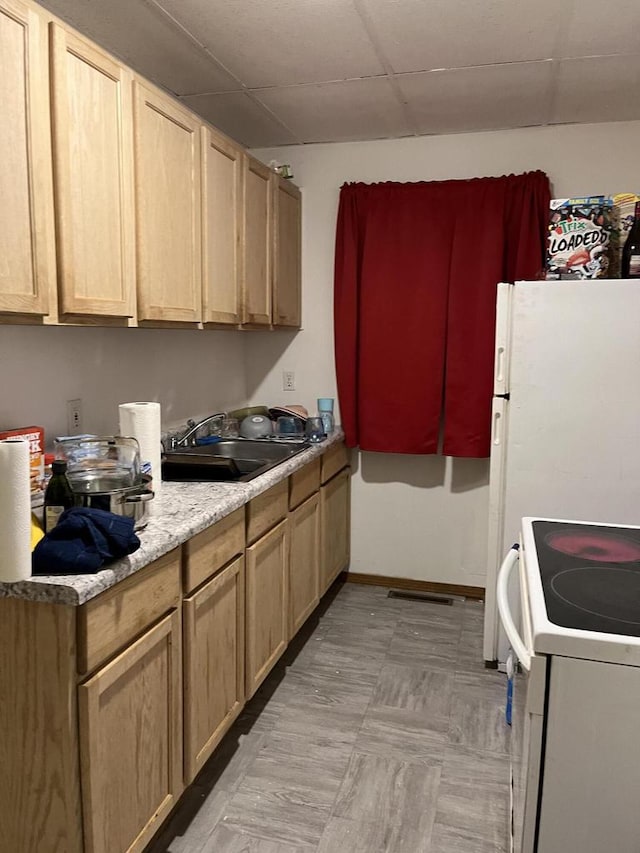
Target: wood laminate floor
{"type": "Point", "coordinates": [380, 731]}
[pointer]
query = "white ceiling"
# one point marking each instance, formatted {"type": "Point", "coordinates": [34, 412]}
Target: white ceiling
{"type": "Point", "coordinates": [277, 72]}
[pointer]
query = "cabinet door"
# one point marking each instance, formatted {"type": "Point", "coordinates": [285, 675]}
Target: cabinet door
{"type": "Point", "coordinates": [287, 254]}
{"type": "Point", "coordinates": [27, 254]}
{"type": "Point", "coordinates": [266, 610]}
{"type": "Point", "coordinates": [304, 562]}
{"type": "Point", "coordinates": [258, 248]}
{"type": "Point", "coordinates": [131, 742]}
{"type": "Point", "coordinates": [168, 214]}
{"type": "Point", "coordinates": [335, 541]}
{"type": "Point", "coordinates": [93, 151]}
{"type": "Point", "coordinates": [222, 224]}
{"type": "Point", "coordinates": [214, 663]}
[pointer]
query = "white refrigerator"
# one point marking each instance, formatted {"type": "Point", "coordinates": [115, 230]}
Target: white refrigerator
{"type": "Point", "coordinates": [565, 440]}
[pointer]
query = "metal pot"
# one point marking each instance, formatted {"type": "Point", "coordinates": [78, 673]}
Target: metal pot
{"type": "Point", "coordinates": [99, 492]}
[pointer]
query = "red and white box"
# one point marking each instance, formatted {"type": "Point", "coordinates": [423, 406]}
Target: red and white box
{"type": "Point", "coordinates": [35, 436]}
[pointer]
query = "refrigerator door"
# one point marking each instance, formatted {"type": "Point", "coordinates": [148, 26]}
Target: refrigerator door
{"type": "Point", "coordinates": [499, 425]}
{"type": "Point", "coordinates": [503, 335]}
{"type": "Point", "coordinates": [495, 543]}
{"type": "Point", "coordinates": [574, 411]}
{"type": "Point", "coordinates": [573, 448]}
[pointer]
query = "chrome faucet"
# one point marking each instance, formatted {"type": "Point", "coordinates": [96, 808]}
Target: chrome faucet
{"type": "Point", "coordinates": [187, 439]}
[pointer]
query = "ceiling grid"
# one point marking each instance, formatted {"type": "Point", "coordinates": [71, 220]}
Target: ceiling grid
{"type": "Point", "coordinates": [278, 72]}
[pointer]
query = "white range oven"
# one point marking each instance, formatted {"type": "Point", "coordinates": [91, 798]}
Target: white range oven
{"type": "Point", "coordinates": [576, 707]}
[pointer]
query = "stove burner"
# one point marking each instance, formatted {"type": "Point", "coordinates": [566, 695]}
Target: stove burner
{"type": "Point", "coordinates": [601, 591]}
{"type": "Point", "coordinates": [600, 547]}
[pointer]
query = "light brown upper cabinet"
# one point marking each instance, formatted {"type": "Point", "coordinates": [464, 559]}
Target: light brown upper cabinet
{"type": "Point", "coordinates": [93, 178]}
{"type": "Point", "coordinates": [168, 212]}
{"type": "Point", "coordinates": [258, 237]}
{"type": "Point", "coordinates": [287, 210]}
{"type": "Point", "coordinates": [27, 250]}
{"type": "Point", "coordinates": [222, 163]}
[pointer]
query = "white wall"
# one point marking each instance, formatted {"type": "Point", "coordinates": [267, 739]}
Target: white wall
{"type": "Point", "coordinates": [189, 372]}
{"type": "Point", "coordinates": [417, 517]}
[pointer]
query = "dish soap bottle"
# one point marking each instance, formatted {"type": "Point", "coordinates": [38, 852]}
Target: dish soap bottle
{"type": "Point", "coordinates": [58, 496]}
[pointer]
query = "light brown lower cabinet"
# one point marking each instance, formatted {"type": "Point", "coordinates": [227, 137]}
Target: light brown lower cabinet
{"type": "Point", "coordinates": [266, 604]}
{"type": "Point", "coordinates": [304, 562]}
{"type": "Point", "coordinates": [131, 741]}
{"type": "Point", "coordinates": [92, 739]}
{"type": "Point", "coordinates": [214, 663]}
{"type": "Point", "coordinates": [335, 539]}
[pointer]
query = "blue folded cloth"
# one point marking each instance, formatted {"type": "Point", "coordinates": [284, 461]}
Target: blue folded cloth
{"type": "Point", "coordinates": [82, 542]}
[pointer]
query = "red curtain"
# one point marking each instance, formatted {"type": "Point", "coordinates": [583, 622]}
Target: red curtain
{"type": "Point", "coordinates": [416, 271]}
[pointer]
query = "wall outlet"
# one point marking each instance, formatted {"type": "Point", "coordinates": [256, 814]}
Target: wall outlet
{"type": "Point", "coordinates": [74, 417]}
{"type": "Point", "coordinates": [288, 380]}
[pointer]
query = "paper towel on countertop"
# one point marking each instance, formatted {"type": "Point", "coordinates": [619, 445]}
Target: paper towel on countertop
{"type": "Point", "coordinates": [15, 511]}
{"type": "Point", "coordinates": [142, 421]}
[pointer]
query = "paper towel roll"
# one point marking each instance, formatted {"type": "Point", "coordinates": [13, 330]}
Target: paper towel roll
{"type": "Point", "coordinates": [142, 421]}
{"type": "Point", "coordinates": [15, 511]}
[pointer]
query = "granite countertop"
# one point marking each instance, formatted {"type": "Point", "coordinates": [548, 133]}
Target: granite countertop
{"type": "Point", "coordinates": [178, 513]}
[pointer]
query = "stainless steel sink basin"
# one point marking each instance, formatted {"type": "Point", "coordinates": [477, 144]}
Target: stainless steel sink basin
{"type": "Point", "coordinates": [228, 461]}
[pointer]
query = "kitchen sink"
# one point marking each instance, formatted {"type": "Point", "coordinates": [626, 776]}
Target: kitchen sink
{"type": "Point", "coordinates": [233, 460]}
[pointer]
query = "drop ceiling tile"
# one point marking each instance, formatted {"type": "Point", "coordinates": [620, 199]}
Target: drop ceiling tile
{"type": "Point", "coordinates": [279, 42]}
{"type": "Point", "coordinates": [484, 98]}
{"type": "Point", "coordinates": [602, 88]}
{"type": "Point", "coordinates": [597, 27]}
{"type": "Point", "coordinates": [338, 112]}
{"type": "Point", "coordinates": [142, 35]}
{"type": "Point", "coordinates": [417, 35]}
{"type": "Point", "coordinates": [241, 118]}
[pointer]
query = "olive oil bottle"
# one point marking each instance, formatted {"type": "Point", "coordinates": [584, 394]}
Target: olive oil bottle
{"type": "Point", "coordinates": [58, 495]}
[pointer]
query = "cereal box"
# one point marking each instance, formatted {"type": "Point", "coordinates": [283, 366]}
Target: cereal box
{"type": "Point", "coordinates": [579, 239]}
{"type": "Point", "coordinates": [35, 436]}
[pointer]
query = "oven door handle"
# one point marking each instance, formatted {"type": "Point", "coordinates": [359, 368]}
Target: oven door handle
{"type": "Point", "coordinates": [517, 644]}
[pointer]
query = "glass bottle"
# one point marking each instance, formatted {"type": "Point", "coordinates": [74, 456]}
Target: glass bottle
{"type": "Point", "coordinates": [631, 252]}
{"type": "Point", "coordinates": [327, 422]}
{"type": "Point", "coordinates": [325, 411]}
{"type": "Point", "coordinates": [58, 495]}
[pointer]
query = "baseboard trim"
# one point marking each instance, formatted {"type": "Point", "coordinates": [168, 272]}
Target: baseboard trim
{"type": "Point", "coordinates": [476, 592]}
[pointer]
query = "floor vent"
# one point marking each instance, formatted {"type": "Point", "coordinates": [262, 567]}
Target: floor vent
{"type": "Point", "coordinates": [431, 597]}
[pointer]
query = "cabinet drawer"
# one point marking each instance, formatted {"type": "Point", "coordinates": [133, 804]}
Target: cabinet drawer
{"type": "Point", "coordinates": [267, 510]}
{"type": "Point", "coordinates": [111, 620]}
{"type": "Point", "coordinates": [334, 460]}
{"type": "Point", "coordinates": [304, 483]}
{"type": "Point", "coordinates": [210, 550]}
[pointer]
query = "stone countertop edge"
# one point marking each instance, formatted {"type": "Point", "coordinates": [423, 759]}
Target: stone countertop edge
{"type": "Point", "coordinates": [180, 512]}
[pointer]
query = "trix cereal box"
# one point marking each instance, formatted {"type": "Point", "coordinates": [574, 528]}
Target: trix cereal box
{"type": "Point", "coordinates": [579, 240]}
{"type": "Point", "coordinates": [35, 436]}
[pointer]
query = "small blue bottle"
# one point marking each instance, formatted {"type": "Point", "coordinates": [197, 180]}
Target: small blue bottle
{"type": "Point", "coordinates": [325, 410]}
